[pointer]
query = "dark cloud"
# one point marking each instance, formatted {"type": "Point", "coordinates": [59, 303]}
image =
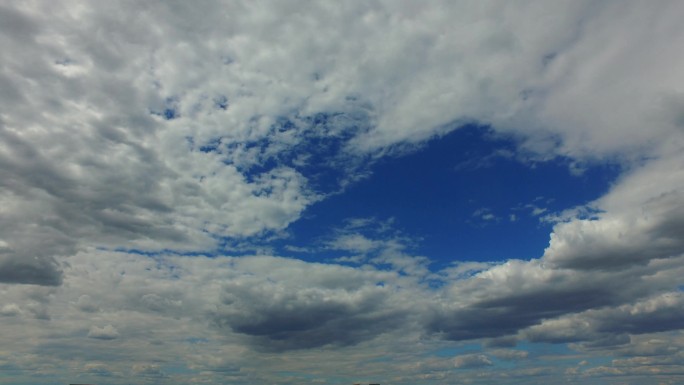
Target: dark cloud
{"type": "Point", "coordinates": [609, 327]}
{"type": "Point", "coordinates": [282, 317]}
{"type": "Point", "coordinates": [662, 313]}
{"type": "Point", "coordinates": [470, 324]}
{"type": "Point", "coordinates": [35, 271]}
{"type": "Point", "coordinates": [500, 302]}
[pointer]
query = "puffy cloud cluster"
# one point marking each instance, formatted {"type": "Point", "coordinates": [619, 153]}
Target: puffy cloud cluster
{"type": "Point", "coordinates": [627, 255]}
{"type": "Point", "coordinates": [227, 317]}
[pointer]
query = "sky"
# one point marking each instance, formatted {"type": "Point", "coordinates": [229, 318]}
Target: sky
{"type": "Point", "coordinates": [394, 192]}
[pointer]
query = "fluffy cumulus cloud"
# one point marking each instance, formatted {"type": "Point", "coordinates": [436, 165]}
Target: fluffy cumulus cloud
{"type": "Point", "coordinates": [138, 141]}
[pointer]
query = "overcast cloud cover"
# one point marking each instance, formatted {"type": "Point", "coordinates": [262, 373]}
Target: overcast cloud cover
{"type": "Point", "coordinates": [144, 146]}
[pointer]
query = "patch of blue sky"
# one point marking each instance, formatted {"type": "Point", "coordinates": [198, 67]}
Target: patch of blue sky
{"type": "Point", "coordinates": [315, 145]}
{"type": "Point", "coordinates": [557, 356]}
{"type": "Point", "coordinates": [156, 252]}
{"type": "Point", "coordinates": [196, 340]}
{"type": "Point", "coordinates": [211, 146]}
{"type": "Point", "coordinates": [320, 151]}
{"type": "Point", "coordinates": [169, 110]}
{"type": "Point", "coordinates": [464, 196]}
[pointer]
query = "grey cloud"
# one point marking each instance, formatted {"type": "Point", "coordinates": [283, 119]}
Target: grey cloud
{"type": "Point", "coordinates": [612, 326]}
{"type": "Point", "coordinates": [17, 24]}
{"type": "Point", "coordinates": [639, 220]}
{"type": "Point", "coordinates": [148, 370]}
{"type": "Point", "coordinates": [628, 253]}
{"type": "Point", "coordinates": [649, 345]}
{"type": "Point", "coordinates": [10, 310]}
{"type": "Point", "coordinates": [509, 354]}
{"type": "Point", "coordinates": [506, 299]}
{"type": "Point", "coordinates": [261, 305]}
{"type": "Point", "coordinates": [469, 324]}
{"type": "Point", "coordinates": [285, 316]}
{"type": "Point", "coordinates": [662, 313]}
{"type": "Point", "coordinates": [568, 329]}
{"type": "Point", "coordinates": [158, 303]}
{"type": "Point", "coordinates": [605, 244]}
{"type": "Point", "coordinates": [107, 332]}
{"type": "Point", "coordinates": [85, 303]}
{"type": "Point", "coordinates": [100, 370]}
{"type": "Point", "coordinates": [94, 178]}
{"type": "Point", "coordinates": [514, 296]}
{"type": "Point", "coordinates": [604, 341]}
{"type": "Point", "coordinates": [649, 361]}
{"type": "Point", "coordinates": [280, 304]}
{"type": "Point", "coordinates": [27, 270]}
{"type": "Point", "coordinates": [472, 361]}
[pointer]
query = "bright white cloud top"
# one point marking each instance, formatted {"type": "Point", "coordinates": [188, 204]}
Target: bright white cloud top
{"type": "Point", "coordinates": [155, 156]}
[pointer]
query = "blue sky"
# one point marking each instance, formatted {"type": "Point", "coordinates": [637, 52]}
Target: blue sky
{"type": "Point", "coordinates": [457, 191]}
{"type": "Point", "coordinates": [393, 192]}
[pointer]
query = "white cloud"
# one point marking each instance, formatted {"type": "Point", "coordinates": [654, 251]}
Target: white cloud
{"type": "Point", "coordinates": [354, 242]}
{"type": "Point", "coordinates": [9, 310]}
{"type": "Point", "coordinates": [100, 166]}
{"type": "Point", "coordinates": [639, 220]}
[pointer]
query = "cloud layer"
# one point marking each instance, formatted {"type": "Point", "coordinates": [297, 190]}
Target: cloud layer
{"type": "Point", "coordinates": [138, 142]}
